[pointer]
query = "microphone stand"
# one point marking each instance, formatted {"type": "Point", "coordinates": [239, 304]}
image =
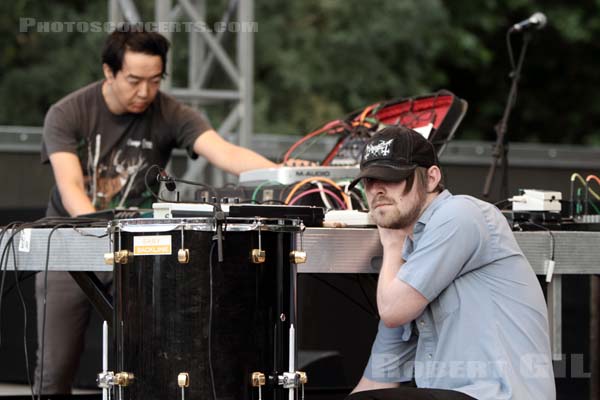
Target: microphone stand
{"type": "Point", "coordinates": [500, 152]}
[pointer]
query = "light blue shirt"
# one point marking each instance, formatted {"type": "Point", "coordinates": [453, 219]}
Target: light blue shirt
{"type": "Point", "coordinates": [485, 330]}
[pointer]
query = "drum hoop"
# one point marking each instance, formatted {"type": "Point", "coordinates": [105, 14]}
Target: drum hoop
{"type": "Point", "coordinates": [206, 224]}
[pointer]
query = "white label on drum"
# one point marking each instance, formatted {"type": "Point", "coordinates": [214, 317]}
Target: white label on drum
{"type": "Point", "coordinates": [152, 245]}
{"type": "Point", "coordinates": [25, 241]}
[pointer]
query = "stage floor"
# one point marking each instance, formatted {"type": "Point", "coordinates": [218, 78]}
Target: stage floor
{"type": "Point", "coordinates": [16, 389]}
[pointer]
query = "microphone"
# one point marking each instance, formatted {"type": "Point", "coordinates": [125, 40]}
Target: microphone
{"type": "Point", "coordinates": [536, 21]}
{"type": "Point", "coordinates": [169, 182]}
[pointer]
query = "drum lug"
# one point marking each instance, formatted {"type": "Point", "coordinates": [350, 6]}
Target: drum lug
{"type": "Point", "coordinates": [124, 378]}
{"type": "Point", "coordinates": [297, 257]}
{"type": "Point", "coordinates": [302, 377]}
{"type": "Point", "coordinates": [183, 256]}
{"type": "Point", "coordinates": [258, 379]}
{"type": "Point", "coordinates": [109, 258]}
{"type": "Point", "coordinates": [123, 256]}
{"type": "Point", "coordinates": [258, 256]}
{"type": "Point", "coordinates": [183, 380]}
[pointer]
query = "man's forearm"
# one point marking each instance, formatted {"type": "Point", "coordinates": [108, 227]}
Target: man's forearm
{"type": "Point", "coordinates": [228, 156]}
{"type": "Point", "coordinates": [392, 261]}
{"type": "Point", "coordinates": [75, 201]}
{"type": "Point", "coordinates": [243, 159]}
{"type": "Point", "coordinates": [397, 302]}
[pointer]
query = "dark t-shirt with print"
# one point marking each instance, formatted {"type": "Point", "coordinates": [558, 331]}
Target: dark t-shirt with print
{"type": "Point", "coordinates": [117, 150]}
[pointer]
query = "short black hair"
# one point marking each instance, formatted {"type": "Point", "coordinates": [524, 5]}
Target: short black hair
{"type": "Point", "coordinates": [133, 37]}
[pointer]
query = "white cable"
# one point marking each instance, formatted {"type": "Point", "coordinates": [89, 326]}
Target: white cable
{"type": "Point", "coordinates": [292, 361]}
{"type": "Point", "coordinates": [323, 195]}
{"type": "Point", "coordinates": [104, 356]}
{"type": "Point", "coordinates": [95, 169]}
{"type": "Point", "coordinates": [348, 194]}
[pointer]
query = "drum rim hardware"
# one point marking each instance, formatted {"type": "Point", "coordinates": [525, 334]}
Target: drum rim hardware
{"type": "Point", "coordinates": [173, 234]}
{"type": "Point", "coordinates": [183, 381]}
{"type": "Point", "coordinates": [183, 254]}
{"type": "Point", "coordinates": [108, 379]}
{"type": "Point", "coordinates": [205, 224]}
{"type": "Point", "coordinates": [258, 256]}
{"type": "Point", "coordinates": [122, 256]}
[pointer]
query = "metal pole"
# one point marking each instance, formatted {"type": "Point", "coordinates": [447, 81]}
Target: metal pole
{"type": "Point", "coordinates": [162, 13]}
{"type": "Point", "coordinates": [130, 11]}
{"type": "Point", "coordinates": [594, 337]}
{"type": "Point", "coordinates": [212, 43]}
{"type": "Point", "coordinates": [114, 11]}
{"type": "Point", "coordinates": [246, 63]}
{"type": "Point", "coordinates": [197, 50]}
{"type": "Point", "coordinates": [554, 299]}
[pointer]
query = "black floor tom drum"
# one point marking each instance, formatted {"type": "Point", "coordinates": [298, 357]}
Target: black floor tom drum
{"type": "Point", "coordinates": [187, 324]}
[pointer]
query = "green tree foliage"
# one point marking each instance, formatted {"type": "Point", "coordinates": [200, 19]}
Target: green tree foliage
{"type": "Point", "coordinates": [558, 100]}
{"type": "Point", "coordinates": [38, 68]}
{"type": "Point", "coordinates": [317, 60]}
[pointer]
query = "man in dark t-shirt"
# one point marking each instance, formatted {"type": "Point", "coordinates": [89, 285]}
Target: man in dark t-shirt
{"type": "Point", "coordinates": [100, 141]}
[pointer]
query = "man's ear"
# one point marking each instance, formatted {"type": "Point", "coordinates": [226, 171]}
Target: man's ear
{"type": "Point", "coordinates": [434, 176]}
{"type": "Point", "coordinates": [108, 74]}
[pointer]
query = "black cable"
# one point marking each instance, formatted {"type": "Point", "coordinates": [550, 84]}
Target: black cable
{"type": "Point", "coordinates": [4, 263]}
{"type": "Point", "coordinates": [210, 315]}
{"type": "Point", "coordinates": [552, 239]}
{"type": "Point", "coordinates": [18, 227]}
{"type": "Point", "coordinates": [85, 234]}
{"type": "Point", "coordinates": [22, 278]}
{"type": "Point", "coordinates": [341, 292]}
{"type": "Point", "coordinates": [502, 203]}
{"type": "Point", "coordinates": [20, 293]}
{"type": "Point", "coordinates": [357, 278]}
{"type": "Point", "coordinates": [272, 201]}
{"type": "Point", "coordinates": [372, 306]}
{"type": "Point", "coordinates": [156, 195]}
{"type": "Point", "coordinates": [210, 188]}
{"type": "Point", "coordinates": [43, 338]}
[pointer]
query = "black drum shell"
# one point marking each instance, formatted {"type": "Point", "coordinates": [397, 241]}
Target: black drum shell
{"type": "Point", "coordinates": [163, 315]}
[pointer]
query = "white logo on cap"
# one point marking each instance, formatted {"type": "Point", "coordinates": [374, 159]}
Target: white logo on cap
{"type": "Point", "coordinates": [381, 149]}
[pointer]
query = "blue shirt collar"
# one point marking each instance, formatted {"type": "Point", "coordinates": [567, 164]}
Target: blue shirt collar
{"type": "Point", "coordinates": [434, 205]}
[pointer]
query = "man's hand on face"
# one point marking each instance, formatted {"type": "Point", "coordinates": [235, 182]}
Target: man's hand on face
{"type": "Point", "coordinates": [392, 239]}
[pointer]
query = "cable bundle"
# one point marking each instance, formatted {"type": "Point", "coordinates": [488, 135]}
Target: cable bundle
{"type": "Point", "coordinates": [440, 113]}
{"type": "Point", "coordinates": [13, 229]}
{"type": "Point", "coordinates": [577, 209]}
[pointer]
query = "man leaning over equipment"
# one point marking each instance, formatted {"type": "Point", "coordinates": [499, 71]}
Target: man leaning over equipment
{"type": "Point", "coordinates": [101, 140]}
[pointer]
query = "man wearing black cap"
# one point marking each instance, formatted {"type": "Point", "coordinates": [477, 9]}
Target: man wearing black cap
{"type": "Point", "coordinates": [462, 313]}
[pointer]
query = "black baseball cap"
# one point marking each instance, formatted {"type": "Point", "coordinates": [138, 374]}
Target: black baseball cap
{"type": "Point", "coordinates": [393, 153]}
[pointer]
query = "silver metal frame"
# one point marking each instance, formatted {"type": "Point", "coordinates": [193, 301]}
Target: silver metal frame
{"type": "Point", "coordinates": [347, 250]}
{"type": "Point", "coordinates": [206, 51]}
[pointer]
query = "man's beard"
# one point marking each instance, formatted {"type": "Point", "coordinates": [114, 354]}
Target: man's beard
{"type": "Point", "coordinates": [394, 218]}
